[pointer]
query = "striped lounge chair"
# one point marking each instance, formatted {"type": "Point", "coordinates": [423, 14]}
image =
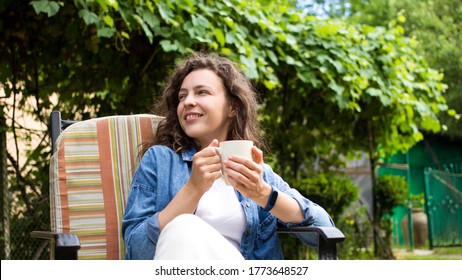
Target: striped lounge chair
{"type": "Point", "coordinates": [90, 175]}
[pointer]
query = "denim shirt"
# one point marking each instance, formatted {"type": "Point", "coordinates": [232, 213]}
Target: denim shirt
{"type": "Point", "coordinates": [162, 173]}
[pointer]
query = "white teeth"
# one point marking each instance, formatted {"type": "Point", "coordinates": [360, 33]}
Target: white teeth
{"type": "Point", "coordinates": [192, 116]}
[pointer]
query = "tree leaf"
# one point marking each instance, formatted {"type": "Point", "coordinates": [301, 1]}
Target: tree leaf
{"type": "Point", "coordinates": [50, 8]}
{"type": "Point", "coordinates": [219, 36]}
{"type": "Point", "coordinates": [88, 17]}
{"type": "Point", "coordinates": [109, 21]}
{"type": "Point", "coordinates": [374, 91]}
{"type": "Point", "coordinates": [165, 12]}
{"type": "Point", "coordinates": [145, 27]}
{"type": "Point", "coordinates": [168, 46]}
{"type": "Point", "coordinates": [151, 19]}
{"type": "Point", "coordinates": [105, 32]}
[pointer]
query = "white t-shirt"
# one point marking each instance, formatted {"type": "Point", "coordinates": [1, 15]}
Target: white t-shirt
{"type": "Point", "coordinates": [221, 209]}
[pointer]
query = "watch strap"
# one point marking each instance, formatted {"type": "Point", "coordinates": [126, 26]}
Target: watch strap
{"type": "Point", "coordinates": [271, 200]}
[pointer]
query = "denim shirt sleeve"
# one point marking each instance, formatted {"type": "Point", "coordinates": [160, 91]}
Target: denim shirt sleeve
{"type": "Point", "coordinates": [314, 215]}
{"type": "Point", "coordinates": [140, 225]}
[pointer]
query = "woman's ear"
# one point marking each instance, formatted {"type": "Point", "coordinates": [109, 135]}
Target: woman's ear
{"type": "Point", "coordinates": [232, 111]}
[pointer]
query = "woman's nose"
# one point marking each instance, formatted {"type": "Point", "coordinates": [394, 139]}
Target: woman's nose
{"type": "Point", "coordinates": [189, 100]}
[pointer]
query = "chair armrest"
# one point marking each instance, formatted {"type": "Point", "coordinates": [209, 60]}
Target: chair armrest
{"type": "Point", "coordinates": [64, 246]}
{"type": "Point", "coordinates": [328, 237]}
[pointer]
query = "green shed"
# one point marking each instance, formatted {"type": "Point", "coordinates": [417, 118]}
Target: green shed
{"type": "Point", "coordinates": [433, 170]}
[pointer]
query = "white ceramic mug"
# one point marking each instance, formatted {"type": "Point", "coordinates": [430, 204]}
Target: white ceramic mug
{"type": "Point", "coordinates": [241, 148]}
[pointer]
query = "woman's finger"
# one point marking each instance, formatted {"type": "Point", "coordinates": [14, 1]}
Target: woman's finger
{"type": "Point", "coordinates": [257, 155]}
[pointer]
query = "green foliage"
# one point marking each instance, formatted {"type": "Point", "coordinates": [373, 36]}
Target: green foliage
{"type": "Point", "coordinates": [435, 24]}
{"type": "Point", "coordinates": [356, 226]}
{"type": "Point", "coordinates": [44, 6]}
{"type": "Point", "coordinates": [333, 192]}
{"type": "Point", "coordinates": [338, 195]}
{"type": "Point", "coordinates": [417, 201]}
{"type": "Point", "coordinates": [390, 191]}
{"type": "Point", "coordinates": [353, 84]}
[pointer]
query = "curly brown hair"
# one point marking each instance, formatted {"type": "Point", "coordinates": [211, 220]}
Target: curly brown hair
{"type": "Point", "coordinates": [240, 93]}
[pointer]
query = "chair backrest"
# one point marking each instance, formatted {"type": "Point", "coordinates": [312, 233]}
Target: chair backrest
{"type": "Point", "coordinates": [90, 177]}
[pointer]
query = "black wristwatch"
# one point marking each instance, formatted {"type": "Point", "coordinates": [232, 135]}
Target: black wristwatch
{"type": "Point", "coordinates": [271, 200]}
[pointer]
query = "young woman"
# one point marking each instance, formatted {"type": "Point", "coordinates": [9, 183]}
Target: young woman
{"type": "Point", "coordinates": [178, 206]}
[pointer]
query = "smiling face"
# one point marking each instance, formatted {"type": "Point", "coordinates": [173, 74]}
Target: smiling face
{"type": "Point", "coordinates": [203, 110]}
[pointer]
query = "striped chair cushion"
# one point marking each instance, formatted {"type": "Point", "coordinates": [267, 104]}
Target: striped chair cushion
{"type": "Point", "coordinates": [90, 176]}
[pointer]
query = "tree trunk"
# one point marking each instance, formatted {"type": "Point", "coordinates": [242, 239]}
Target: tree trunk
{"type": "Point", "coordinates": [4, 212]}
{"type": "Point", "coordinates": [375, 220]}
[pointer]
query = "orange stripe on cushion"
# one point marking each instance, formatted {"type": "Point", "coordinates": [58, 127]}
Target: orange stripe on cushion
{"type": "Point", "coordinates": [62, 187]}
{"type": "Point", "coordinates": [104, 142]}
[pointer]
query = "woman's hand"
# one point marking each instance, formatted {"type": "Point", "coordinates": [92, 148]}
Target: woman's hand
{"type": "Point", "coordinates": [206, 168]}
{"type": "Point", "coordinates": [247, 176]}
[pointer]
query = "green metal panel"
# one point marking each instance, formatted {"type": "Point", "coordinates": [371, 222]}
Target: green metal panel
{"type": "Point", "coordinates": [444, 206]}
{"type": "Point", "coordinates": [430, 153]}
{"type": "Point", "coordinates": [399, 213]}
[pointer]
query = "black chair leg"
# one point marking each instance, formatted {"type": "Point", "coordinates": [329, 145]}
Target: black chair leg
{"type": "Point", "coordinates": [327, 250]}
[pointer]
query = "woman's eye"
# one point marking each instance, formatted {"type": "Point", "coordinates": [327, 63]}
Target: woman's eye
{"type": "Point", "coordinates": [182, 96]}
{"type": "Point", "coordinates": [202, 92]}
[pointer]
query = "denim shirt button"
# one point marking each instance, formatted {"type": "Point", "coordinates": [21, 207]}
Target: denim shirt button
{"type": "Point", "coordinates": [247, 205]}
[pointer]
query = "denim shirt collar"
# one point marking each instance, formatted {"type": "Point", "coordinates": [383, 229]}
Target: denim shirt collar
{"type": "Point", "coordinates": [188, 154]}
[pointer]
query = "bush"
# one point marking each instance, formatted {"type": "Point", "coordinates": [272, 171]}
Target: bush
{"type": "Point", "coordinates": [333, 192]}
{"type": "Point", "coordinates": [389, 192]}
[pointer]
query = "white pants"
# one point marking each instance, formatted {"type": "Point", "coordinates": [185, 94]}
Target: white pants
{"type": "Point", "coordinates": [188, 237]}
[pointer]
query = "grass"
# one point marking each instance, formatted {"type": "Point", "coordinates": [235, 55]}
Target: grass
{"type": "Point", "coordinates": [447, 253]}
